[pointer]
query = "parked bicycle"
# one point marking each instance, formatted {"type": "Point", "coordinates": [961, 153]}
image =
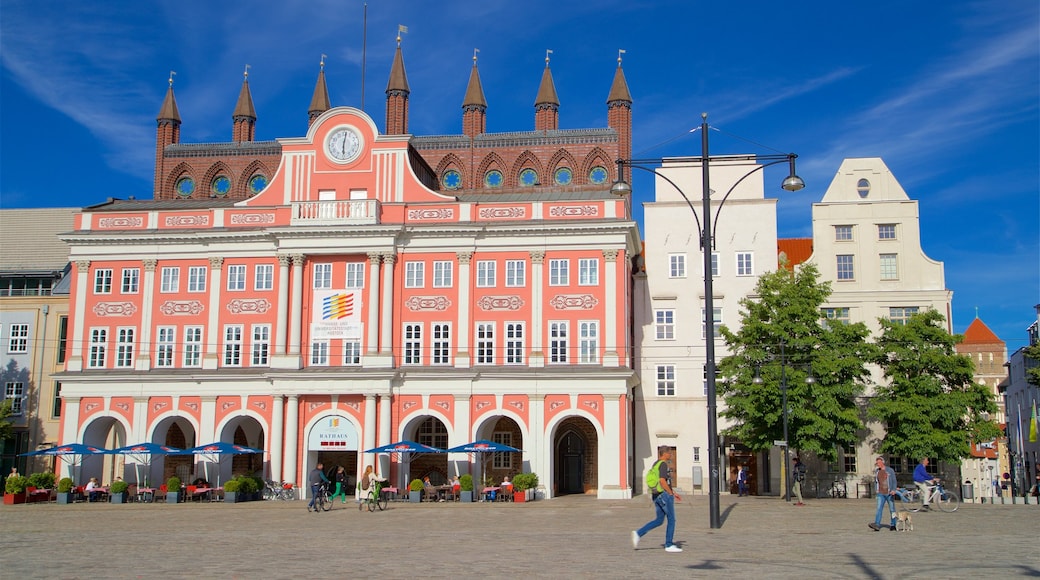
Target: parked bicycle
{"type": "Point", "coordinates": [321, 498]}
{"type": "Point", "coordinates": [283, 491]}
{"type": "Point", "coordinates": [839, 489]}
{"type": "Point", "coordinates": [376, 498]}
{"type": "Point", "coordinates": [945, 500]}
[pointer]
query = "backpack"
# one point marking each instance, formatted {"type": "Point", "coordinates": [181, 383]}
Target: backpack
{"type": "Point", "coordinates": [653, 477]}
{"type": "Point", "coordinates": [364, 482]}
{"type": "Point", "coordinates": [799, 472]}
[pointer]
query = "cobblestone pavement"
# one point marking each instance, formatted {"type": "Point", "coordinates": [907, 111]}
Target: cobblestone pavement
{"type": "Point", "coordinates": [571, 536]}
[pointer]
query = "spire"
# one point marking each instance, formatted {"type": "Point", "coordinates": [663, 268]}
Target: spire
{"type": "Point", "coordinates": [397, 92]}
{"type": "Point", "coordinates": [547, 104]}
{"type": "Point", "coordinates": [474, 106]}
{"type": "Point", "coordinates": [168, 112]}
{"type": "Point", "coordinates": [320, 101]}
{"type": "Point", "coordinates": [619, 88]}
{"type": "Point", "coordinates": [619, 110]}
{"type": "Point", "coordinates": [474, 90]}
{"type": "Point", "coordinates": [244, 117]}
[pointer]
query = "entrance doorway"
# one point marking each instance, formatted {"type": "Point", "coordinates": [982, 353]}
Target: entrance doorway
{"type": "Point", "coordinates": [740, 455]}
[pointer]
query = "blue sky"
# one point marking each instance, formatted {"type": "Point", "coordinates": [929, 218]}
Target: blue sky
{"type": "Point", "coordinates": [946, 93]}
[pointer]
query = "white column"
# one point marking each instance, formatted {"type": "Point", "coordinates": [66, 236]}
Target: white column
{"type": "Point", "coordinates": [385, 436]}
{"type": "Point", "coordinates": [373, 299]}
{"type": "Point", "coordinates": [211, 358]}
{"type": "Point", "coordinates": [611, 339]}
{"type": "Point", "coordinates": [386, 346]}
{"type": "Point", "coordinates": [282, 326]}
{"type": "Point", "coordinates": [69, 430]}
{"type": "Point", "coordinates": [83, 289]}
{"type": "Point", "coordinates": [539, 449]}
{"type": "Point", "coordinates": [537, 277]}
{"type": "Point", "coordinates": [277, 435]}
{"type": "Point", "coordinates": [611, 453]}
{"type": "Point", "coordinates": [143, 361]}
{"type": "Point", "coordinates": [368, 433]}
{"type": "Point", "coordinates": [207, 419]}
{"type": "Point", "coordinates": [462, 330]}
{"type": "Point", "coordinates": [292, 427]}
{"type": "Point", "coordinates": [297, 304]}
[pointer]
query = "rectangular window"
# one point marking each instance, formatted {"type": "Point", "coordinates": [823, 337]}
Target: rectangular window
{"type": "Point", "coordinates": [322, 276]}
{"type": "Point", "coordinates": [124, 348]}
{"type": "Point", "coordinates": [714, 264]}
{"type": "Point", "coordinates": [744, 264]}
{"type": "Point", "coordinates": [166, 341]}
{"type": "Point", "coordinates": [441, 344]}
{"type": "Point", "coordinates": [442, 274]}
{"type": "Point", "coordinates": [588, 342]}
{"type": "Point", "coordinates": [588, 272]}
{"type": "Point", "coordinates": [355, 275]}
{"type": "Point", "coordinates": [170, 280]}
{"type": "Point", "coordinates": [485, 274]}
{"type": "Point", "coordinates": [901, 314]}
{"type": "Point", "coordinates": [56, 407]}
{"type": "Point", "coordinates": [197, 279]}
{"type": "Point", "coordinates": [320, 353]}
{"type": "Point", "coordinates": [413, 342]}
{"type": "Point", "coordinates": [131, 280]}
{"type": "Point", "coordinates": [558, 342]}
{"type": "Point", "coordinates": [559, 272]}
{"type": "Point", "coordinates": [845, 267]}
{"type": "Point", "coordinates": [261, 346]}
{"type": "Point", "coordinates": [889, 267]}
{"type": "Point", "coordinates": [843, 233]}
{"type": "Point", "coordinates": [665, 380]}
{"type": "Point", "coordinates": [351, 352]}
{"type": "Point", "coordinates": [485, 343]}
{"type": "Point", "coordinates": [414, 274]}
{"type": "Point", "coordinates": [63, 337]}
{"type": "Point", "coordinates": [516, 276]}
{"type": "Point", "coordinates": [13, 392]}
{"type": "Point", "coordinates": [717, 322]}
{"type": "Point", "coordinates": [677, 265]}
{"type": "Point", "coordinates": [18, 341]}
{"type": "Point", "coordinates": [102, 281]}
{"type": "Point", "coordinates": [850, 459]}
{"type": "Point", "coordinates": [98, 345]}
{"type": "Point", "coordinates": [192, 346]}
{"type": "Point", "coordinates": [664, 324]}
{"type": "Point", "coordinates": [515, 343]}
{"type": "Point", "coordinates": [236, 277]}
{"type": "Point", "coordinates": [838, 315]}
{"type": "Point", "coordinates": [233, 345]}
{"type": "Point", "coordinates": [886, 231]}
{"type": "Point", "coordinates": [502, 460]}
{"type": "Point", "coordinates": [263, 277]}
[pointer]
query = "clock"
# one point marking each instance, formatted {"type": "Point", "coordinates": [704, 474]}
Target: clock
{"type": "Point", "coordinates": [343, 144]}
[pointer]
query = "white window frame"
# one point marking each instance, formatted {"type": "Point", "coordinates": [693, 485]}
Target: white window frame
{"type": "Point", "coordinates": [559, 272]}
{"type": "Point", "coordinates": [351, 352]}
{"type": "Point", "coordinates": [233, 345]}
{"type": "Point", "coordinates": [502, 460]}
{"type": "Point", "coordinates": [745, 264]}
{"type": "Point", "coordinates": [103, 281]}
{"type": "Point", "coordinates": [260, 345]}
{"type": "Point", "coordinates": [837, 314]}
{"type": "Point", "coordinates": [588, 272]}
{"type": "Point", "coordinates": [889, 266]}
{"type": "Point", "coordinates": [718, 322]}
{"type": "Point", "coordinates": [263, 277]}
{"type": "Point", "coordinates": [18, 338]}
{"type": "Point", "coordinates": [484, 337]}
{"type": "Point", "coordinates": [131, 281]}
{"type": "Point", "coordinates": [414, 274]}
{"type": "Point", "coordinates": [413, 337]}
{"type": "Point", "coordinates": [588, 342]}
{"type": "Point", "coordinates": [515, 347]}
{"type": "Point", "coordinates": [236, 278]}
{"type": "Point", "coordinates": [355, 275]}
{"type": "Point", "coordinates": [169, 280]}
{"type": "Point", "coordinates": [844, 233]}
{"type": "Point", "coordinates": [197, 278]}
{"type": "Point", "coordinates": [902, 314]}
{"type": "Point", "coordinates": [884, 231]}
{"type": "Point", "coordinates": [664, 324]}
{"type": "Point", "coordinates": [125, 347]}
{"type": "Point", "coordinates": [558, 341]}
{"type": "Point", "coordinates": [676, 265]}
{"type": "Point", "coordinates": [443, 274]}
{"type": "Point", "coordinates": [486, 273]}
{"type": "Point", "coordinates": [165, 346]}
{"type": "Point", "coordinates": [98, 347]}
{"type": "Point", "coordinates": [516, 273]}
{"type": "Point", "coordinates": [715, 260]}
{"type": "Point", "coordinates": [440, 338]}
{"type": "Point", "coordinates": [845, 265]}
{"type": "Point", "coordinates": [322, 273]}
{"type": "Point", "coordinates": [194, 338]}
{"type": "Point", "coordinates": [15, 392]}
{"type": "Point", "coordinates": [319, 353]}
{"type": "Point", "coordinates": [665, 380]}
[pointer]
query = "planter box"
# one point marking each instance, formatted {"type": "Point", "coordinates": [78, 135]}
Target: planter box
{"type": "Point", "coordinates": [13, 498]}
{"type": "Point", "coordinates": [466, 496]}
{"type": "Point", "coordinates": [235, 497]}
{"type": "Point", "coordinates": [118, 497]}
{"type": "Point", "coordinates": [414, 496]}
{"type": "Point", "coordinates": [65, 497]}
{"type": "Point", "coordinates": [519, 496]}
{"type": "Point", "coordinates": [173, 497]}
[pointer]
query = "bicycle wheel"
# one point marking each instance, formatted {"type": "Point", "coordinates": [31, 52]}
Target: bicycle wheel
{"type": "Point", "coordinates": [382, 501]}
{"type": "Point", "coordinates": [327, 502]}
{"type": "Point", "coordinates": [948, 501]}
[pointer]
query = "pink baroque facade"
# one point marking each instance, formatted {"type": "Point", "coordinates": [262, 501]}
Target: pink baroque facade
{"type": "Point", "coordinates": [351, 304]}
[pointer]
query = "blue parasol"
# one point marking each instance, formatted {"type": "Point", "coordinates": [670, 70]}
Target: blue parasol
{"type": "Point", "coordinates": [71, 453]}
{"type": "Point", "coordinates": [142, 453]}
{"type": "Point", "coordinates": [484, 446]}
{"type": "Point", "coordinates": [405, 447]}
{"type": "Point", "coordinates": [220, 448]}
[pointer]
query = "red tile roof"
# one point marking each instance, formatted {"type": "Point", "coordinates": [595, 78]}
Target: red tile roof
{"type": "Point", "coordinates": [979, 333]}
{"type": "Point", "coordinates": [796, 250]}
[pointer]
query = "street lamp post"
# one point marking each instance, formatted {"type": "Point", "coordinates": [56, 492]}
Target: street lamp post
{"type": "Point", "coordinates": [791, 183]}
{"type": "Point", "coordinates": [783, 390]}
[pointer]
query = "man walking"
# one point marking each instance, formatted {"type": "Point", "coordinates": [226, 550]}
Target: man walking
{"type": "Point", "coordinates": [924, 481]}
{"type": "Point", "coordinates": [660, 484]}
{"type": "Point", "coordinates": [315, 479]}
{"type": "Point", "coordinates": [885, 490]}
{"type": "Point", "coordinates": [742, 487]}
{"type": "Point", "coordinates": [798, 475]}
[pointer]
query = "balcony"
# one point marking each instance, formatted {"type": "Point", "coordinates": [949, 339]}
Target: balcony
{"type": "Point", "coordinates": [335, 212]}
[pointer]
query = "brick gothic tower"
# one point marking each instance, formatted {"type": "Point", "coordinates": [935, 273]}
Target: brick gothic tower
{"type": "Point", "coordinates": [320, 101]}
{"type": "Point", "coordinates": [474, 106]}
{"type": "Point", "coordinates": [167, 132]}
{"type": "Point", "coordinates": [397, 96]}
{"type": "Point", "coordinates": [244, 117]}
{"type": "Point", "coordinates": [547, 104]}
{"type": "Point", "coordinates": [619, 112]}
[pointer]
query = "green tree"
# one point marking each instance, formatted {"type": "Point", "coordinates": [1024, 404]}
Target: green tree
{"type": "Point", "coordinates": [6, 427]}
{"type": "Point", "coordinates": [1033, 373]}
{"type": "Point", "coordinates": [931, 405]}
{"type": "Point", "coordinates": [822, 415]}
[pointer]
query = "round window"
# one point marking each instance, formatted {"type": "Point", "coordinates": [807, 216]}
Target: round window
{"type": "Point", "coordinates": [493, 178]}
{"type": "Point", "coordinates": [257, 183]}
{"type": "Point", "coordinates": [185, 186]}
{"type": "Point", "coordinates": [598, 175]}
{"type": "Point", "coordinates": [528, 177]}
{"type": "Point", "coordinates": [221, 185]}
{"type": "Point", "coordinates": [563, 176]}
{"type": "Point", "coordinates": [452, 179]}
{"type": "Point", "coordinates": [863, 187]}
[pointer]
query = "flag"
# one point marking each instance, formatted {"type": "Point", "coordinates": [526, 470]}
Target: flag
{"type": "Point", "coordinates": [1032, 425]}
{"type": "Point", "coordinates": [402, 29]}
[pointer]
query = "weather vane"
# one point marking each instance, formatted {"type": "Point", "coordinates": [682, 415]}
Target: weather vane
{"type": "Point", "coordinates": [475, 51]}
{"type": "Point", "coordinates": [548, 51]}
{"type": "Point", "coordinates": [401, 29]}
{"type": "Point", "coordinates": [322, 63]}
{"type": "Point", "coordinates": [245, 74]}
{"type": "Point", "coordinates": [172, 72]}
{"type": "Point", "coordinates": [620, 52]}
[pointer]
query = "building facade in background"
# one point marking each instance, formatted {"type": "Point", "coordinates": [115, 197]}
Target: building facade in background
{"type": "Point", "coordinates": [988, 353]}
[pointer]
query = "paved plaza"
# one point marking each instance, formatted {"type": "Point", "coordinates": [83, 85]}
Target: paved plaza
{"type": "Point", "coordinates": [570, 536]}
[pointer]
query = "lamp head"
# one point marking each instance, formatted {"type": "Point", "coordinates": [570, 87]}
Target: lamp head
{"type": "Point", "coordinates": [621, 188]}
{"type": "Point", "coordinates": [793, 182]}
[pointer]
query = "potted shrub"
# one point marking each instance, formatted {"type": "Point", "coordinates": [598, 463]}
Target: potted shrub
{"type": "Point", "coordinates": [415, 489]}
{"type": "Point", "coordinates": [117, 491]}
{"type": "Point", "coordinates": [523, 486]}
{"type": "Point", "coordinates": [65, 490]}
{"type": "Point", "coordinates": [14, 489]}
{"type": "Point", "coordinates": [233, 490]}
{"type": "Point", "coordinates": [42, 484]}
{"type": "Point", "coordinates": [466, 488]}
{"type": "Point", "coordinates": [532, 483]}
{"type": "Point", "coordinates": [255, 487]}
{"type": "Point", "coordinates": [173, 489]}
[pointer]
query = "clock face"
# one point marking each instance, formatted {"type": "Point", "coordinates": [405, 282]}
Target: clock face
{"type": "Point", "coordinates": [343, 145]}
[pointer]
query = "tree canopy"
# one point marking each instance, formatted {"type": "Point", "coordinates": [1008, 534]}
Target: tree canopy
{"type": "Point", "coordinates": [782, 335]}
{"type": "Point", "coordinates": [931, 406]}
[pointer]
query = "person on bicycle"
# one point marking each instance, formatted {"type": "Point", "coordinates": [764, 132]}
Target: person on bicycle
{"type": "Point", "coordinates": [924, 480]}
{"type": "Point", "coordinates": [370, 479]}
{"type": "Point", "coordinates": [316, 479]}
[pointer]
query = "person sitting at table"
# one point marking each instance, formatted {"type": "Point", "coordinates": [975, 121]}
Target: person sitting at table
{"type": "Point", "coordinates": [200, 482]}
{"type": "Point", "coordinates": [92, 489]}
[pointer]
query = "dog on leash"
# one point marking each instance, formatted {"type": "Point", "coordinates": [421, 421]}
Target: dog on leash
{"type": "Point", "coordinates": [904, 521]}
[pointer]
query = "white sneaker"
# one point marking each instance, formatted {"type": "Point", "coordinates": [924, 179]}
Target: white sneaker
{"type": "Point", "coordinates": [673, 549]}
{"type": "Point", "coordinates": [635, 540]}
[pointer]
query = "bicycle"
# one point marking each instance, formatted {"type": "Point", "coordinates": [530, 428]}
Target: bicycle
{"type": "Point", "coordinates": [839, 489]}
{"type": "Point", "coordinates": [282, 491]}
{"type": "Point", "coordinates": [375, 499]}
{"type": "Point", "coordinates": [321, 498]}
{"type": "Point", "coordinates": [945, 500]}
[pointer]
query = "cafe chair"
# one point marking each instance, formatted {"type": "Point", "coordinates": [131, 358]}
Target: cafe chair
{"type": "Point", "coordinates": [430, 493]}
{"type": "Point", "coordinates": [161, 493]}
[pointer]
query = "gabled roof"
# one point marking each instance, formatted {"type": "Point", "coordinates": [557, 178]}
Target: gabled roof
{"type": "Point", "coordinates": [978, 333]}
{"type": "Point", "coordinates": [29, 239]}
{"type": "Point", "coordinates": [795, 250]}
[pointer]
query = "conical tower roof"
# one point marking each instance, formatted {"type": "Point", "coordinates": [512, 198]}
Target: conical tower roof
{"type": "Point", "coordinates": [619, 88]}
{"type": "Point", "coordinates": [547, 90]}
{"type": "Point", "coordinates": [398, 79]}
{"type": "Point", "coordinates": [244, 106]}
{"type": "Point", "coordinates": [474, 90]}
{"type": "Point", "coordinates": [320, 101]}
{"type": "Point", "coordinates": [168, 111]}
